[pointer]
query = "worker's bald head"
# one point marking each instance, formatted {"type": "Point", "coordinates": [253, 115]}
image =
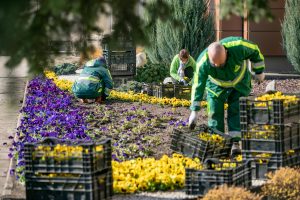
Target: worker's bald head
{"type": "Point", "coordinates": [217, 54]}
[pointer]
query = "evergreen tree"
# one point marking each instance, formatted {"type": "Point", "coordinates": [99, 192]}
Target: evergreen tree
{"type": "Point", "coordinates": [291, 33]}
{"type": "Point", "coordinates": [194, 32]}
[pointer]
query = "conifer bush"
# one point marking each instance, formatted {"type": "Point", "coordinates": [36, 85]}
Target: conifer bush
{"type": "Point", "coordinates": [291, 33]}
{"type": "Point", "coordinates": [194, 31]}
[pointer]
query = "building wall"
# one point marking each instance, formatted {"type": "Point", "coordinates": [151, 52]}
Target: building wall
{"type": "Point", "coordinates": [266, 34]}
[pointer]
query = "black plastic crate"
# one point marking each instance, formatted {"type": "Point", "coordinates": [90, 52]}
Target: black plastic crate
{"type": "Point", "coordinates": [270, 138]}
{"type": "Point", "coordinates": [121, 46]}
{"type": "Point", "coordinates": [121, 62]}
{"type": "Point", "coordinates": [274, 111]}
{"type": "Point", "coordinates": [119, 80]}
{"type": "Point", "coordinates": [147, 89]}
{"type": "Point", "coordinates": [261, 164]}
{"type": "Point", "coordinates": [182, 92]}
{"type": "Point", "coordinates": [119, 57]}
{"type": "Point", "coordinates": [88, 187]}
{"type": "Point", "coordinates": [199, 182]}
{"type": "Point", "coordinates": [57, 156]}
{"type": "Point", "coordinates": [189, 144]}
{"type": "Point", "coordinates": [161, 91]}
{"type": "Point", "coordinates": [122, 69]}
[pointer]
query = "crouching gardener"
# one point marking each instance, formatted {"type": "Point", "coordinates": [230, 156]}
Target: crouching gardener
{"type": "Point", "coordinates": [94, 82]}
{"type": "Point", "coordinates": [221, 70]}
{"type": "Point", "coordinates": [182, 68]}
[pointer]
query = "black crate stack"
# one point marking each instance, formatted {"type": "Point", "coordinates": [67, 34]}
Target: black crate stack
{"type": "Point", "coordinates": [198, 182]}
{"type": "Point", "coordinates": [121, 60]}
{"type": "Point", "coordinates": [270, 134]}
{"type": "Point", "coordinates": [56, 169]}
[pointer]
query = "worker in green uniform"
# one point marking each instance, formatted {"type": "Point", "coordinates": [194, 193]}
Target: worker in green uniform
{"type": "Point", "coordinates": [182, 67]}
{"type": "Point", "coordinates": [94, 81]}
{"type": "Point", "coordinates": [221, 69]}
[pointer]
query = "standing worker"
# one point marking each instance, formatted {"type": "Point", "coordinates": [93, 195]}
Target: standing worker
{"type": "Point", "coordinates": [182, 67]}
{"type": "Point", "coordinates": [94, 82]}
{"type": "Point", "coordinates": [221, 70]}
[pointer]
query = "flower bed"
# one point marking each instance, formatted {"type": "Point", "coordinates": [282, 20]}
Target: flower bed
{"type": "Point", "coordinates": [136, 134]}
{"type": "Point", "coordinates": [48, 112]}
{"type": "Point", "coordinates": [126, 96]}
{"type": "Point", "coordinates": [149, 174]}
{"type": "Point", "coordinates": [135, 131]}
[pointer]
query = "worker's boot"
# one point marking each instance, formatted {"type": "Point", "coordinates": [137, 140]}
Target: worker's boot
{"type": "Point", "coordinates": [99, 100]}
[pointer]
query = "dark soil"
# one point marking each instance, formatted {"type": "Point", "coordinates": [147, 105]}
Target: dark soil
{"type": "Point", "coordinates": [286, 86]}
{"type": "Point", "coordinates": [160, 134]}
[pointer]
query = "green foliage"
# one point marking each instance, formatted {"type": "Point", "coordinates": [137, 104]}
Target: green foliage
{"type": "Point", "coordinates": [27, 27]}
{"type": "Point", "coordinates": [256, 9]}
{"type": "Point", "coordinates": [152, 73]}
{"type": "Point", "coordinates": [291, 33]}
{"type": "Point", "coordinates": [64, 69]}
{"type": "Point", "coordinates": [130, 86]}
{"type": "Point", "coordinates": [195, 31]}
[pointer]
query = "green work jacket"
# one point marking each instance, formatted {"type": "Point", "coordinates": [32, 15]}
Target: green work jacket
{"type": "Point", "coordinates": [175, 66]}
{"type": "Point", "coordinates": [93, 80]}
{"type": "Point", "coordinates": [235, 74]}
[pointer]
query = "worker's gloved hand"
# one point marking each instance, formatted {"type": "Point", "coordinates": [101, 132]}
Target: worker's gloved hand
{"type": "Point", "coordinates": [192, 119]}
{"type": "Point", "coordinates": [186, 79]}
{"type": "Point", "coordinates": [260, 77]}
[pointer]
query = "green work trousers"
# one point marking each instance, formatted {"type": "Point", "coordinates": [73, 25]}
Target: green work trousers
{"type": "Point", "coordinates": [215, 110]}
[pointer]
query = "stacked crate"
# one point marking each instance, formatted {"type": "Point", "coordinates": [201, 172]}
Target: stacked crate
{"type": "Point", "coordinates": [232, 173]}
{"type": "Point", "coordinates": [121, 60]}
{"type": "Point", "coordinates": [270, 134]}
{"type": "Point", "coordinates": [217, 149]}
{"type": "Point", "coordinates": [56, 169]}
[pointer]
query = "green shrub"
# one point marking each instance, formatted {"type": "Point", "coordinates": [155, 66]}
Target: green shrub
{"type": "Point", "coordinates": [152, 73]}
{"type": "Point", "coordinates": [130, 86]}
{"type": "Point", "coordinates": [64, 69]}
{"type": "Point", "coordinates": [291, 33]}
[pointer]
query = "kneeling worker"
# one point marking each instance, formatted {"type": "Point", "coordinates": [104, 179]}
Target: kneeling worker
{"type": "Point", "coordinates": [94, 82]}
